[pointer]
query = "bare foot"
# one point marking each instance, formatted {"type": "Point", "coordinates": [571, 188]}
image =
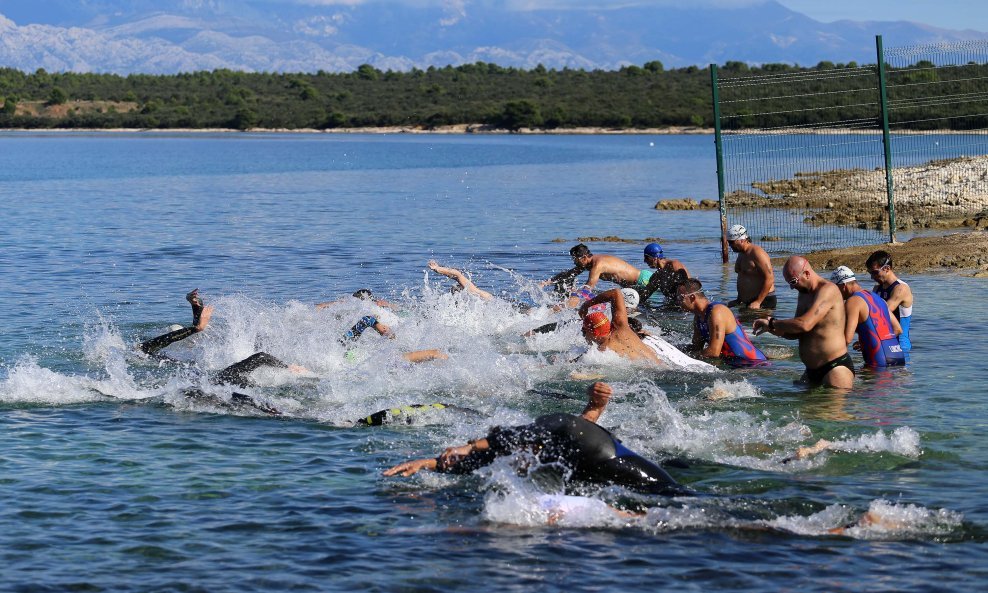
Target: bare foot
{"type": "Point", "coordinates": [196, 301]}
{"type": "Point", "coordinates": [297, 369]}
{"type": "Point", "coordinates": [425, 355]}
{"type": "Point", "coordinates": [203, 318]}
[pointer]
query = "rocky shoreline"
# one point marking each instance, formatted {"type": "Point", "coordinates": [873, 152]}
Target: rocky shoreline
{"type": "Point", "coordinates": [965, 253]}
{"type": "Point", "coordinates": [941, 194]}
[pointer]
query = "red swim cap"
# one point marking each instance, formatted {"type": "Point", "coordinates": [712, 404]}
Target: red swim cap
{"type": "Point", "coordinates": [596, 324]}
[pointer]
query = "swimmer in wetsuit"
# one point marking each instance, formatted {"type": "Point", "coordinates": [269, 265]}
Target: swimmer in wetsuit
{"type": "Point", "coordinates": [589, 452]}
{"type": "Point", "coordinates": [869, 316]}
{"type": "Point", "coordinates": [716, 331]}
{"type": "Point", "coordinates": [200, 319]}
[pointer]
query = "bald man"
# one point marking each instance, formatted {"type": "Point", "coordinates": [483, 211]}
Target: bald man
{"type": "Point", "coordinates": [818, 325]}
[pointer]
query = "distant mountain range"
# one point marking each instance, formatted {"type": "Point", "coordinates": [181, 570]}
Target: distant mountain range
{"type": "Point", "coordinates": [169, 36]}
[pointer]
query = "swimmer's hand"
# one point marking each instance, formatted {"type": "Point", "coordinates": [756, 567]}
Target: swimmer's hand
{"type": "Point", "coordinates": [452, 455]}
{"type": "Point", "coordinates": [759, 327]}
{"type": "Point", "coordinates": [598, 395]}
{"type": "Point", "coordinates": [410, 468]}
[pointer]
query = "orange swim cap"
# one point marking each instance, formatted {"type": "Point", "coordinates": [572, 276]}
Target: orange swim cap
{"type": "Point", "coordinates": [597, 324]}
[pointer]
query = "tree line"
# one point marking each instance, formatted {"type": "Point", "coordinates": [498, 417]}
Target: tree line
{"type": "Point", "coordinates": [647, 96]}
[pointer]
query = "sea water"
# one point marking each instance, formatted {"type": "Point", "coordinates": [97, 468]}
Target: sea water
{"type": "Point", "coordinates": [112, 480]}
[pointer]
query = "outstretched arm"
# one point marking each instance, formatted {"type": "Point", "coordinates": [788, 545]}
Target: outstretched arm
{"type": "Point", "coordinates": [619, 312]}
{"type": "Point", "coordinates": [446, 460]}
{"type": "Point", "coordinates": [460, 278]}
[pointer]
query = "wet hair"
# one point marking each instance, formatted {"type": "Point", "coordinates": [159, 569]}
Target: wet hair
{"type": "Point", "coordinates": [364, 293]}
{"type": "Point", "coordinates": [690, 284]}
{"type": "Point", "coordinates": [580, 250]}
{"type": "Point", "coordinates": [880, 259]}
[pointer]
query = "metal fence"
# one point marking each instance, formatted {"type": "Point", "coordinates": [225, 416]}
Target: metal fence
{"type": "Point", "coordinates": [845, 154]}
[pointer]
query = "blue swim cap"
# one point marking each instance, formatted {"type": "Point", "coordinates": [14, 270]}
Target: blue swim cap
{"type": "Point", "coordinates": [653, 250]}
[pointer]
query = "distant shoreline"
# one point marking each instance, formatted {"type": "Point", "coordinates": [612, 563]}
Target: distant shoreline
{"type": "Point", "coordinates": [480, 129]}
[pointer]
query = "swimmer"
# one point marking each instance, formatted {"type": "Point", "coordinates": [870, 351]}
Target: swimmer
{"type": "Point", "coordinates": [896, 292]}
{"type": "Point", "coordinates": [818, 325]}
{"type": "Point", "coordinates": [363, 294]}
{"type": "Point", "coordinates": [369, 321]}
{"type": "Point", "coordinates": [631, 301]}
{"type": "Point", "coordinates": [756, 279]}
{"type": "Point", "coordinates": [200, 319]}
{"type": "Point", "coordinates": [869, 316]}
{"type": "Point", "coordinates": [462, 280]}
{"type": "Point", "coordinates": [617, 335]}
{"type": "Point", "coordinates": [407, 414]}
{"type": "Point", "coordinates": [607, 267]}
{"type": "Point", "coordinates": [587, 451]}
{"type": "Point", "coordinates": [668, 273]}
{"type": "Point", "coordinates": [716, 331]}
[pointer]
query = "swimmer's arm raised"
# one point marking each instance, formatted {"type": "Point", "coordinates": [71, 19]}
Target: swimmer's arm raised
{"type": "Point", "coordinates": [599, 394]}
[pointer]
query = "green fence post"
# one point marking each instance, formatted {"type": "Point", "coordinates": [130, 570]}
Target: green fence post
{"type": "Point", "coordinates": [885, 137]}
{"type": "Point", "coordinates": [720, 163]}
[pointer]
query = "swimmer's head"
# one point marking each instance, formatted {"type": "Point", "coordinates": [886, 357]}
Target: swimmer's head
{"type": "Point", "coordinates": [596, 326]}
{"type": "Point", "coordinates": [653, 253]}
{"type": "Point", "coordinates": [736, 236]}
{"type": "Point", "coordinates": [364, 294]}
{"type": "Point", "coordinates": [689, 295]}
{"type": "Point", "coordinates": [580, 254]}
{"type": "Point", "coordinates": [631, 298]}
{"type": "Point", "coordinates": [879, 265]}
{"type": "Point", "coordinates": [844, 278]}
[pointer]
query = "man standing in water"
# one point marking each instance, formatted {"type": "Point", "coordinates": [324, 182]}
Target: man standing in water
{"type": "Point", "coordinates": [818, 325]}
{"type": "Point", "coordinates": [668, 272]}
{"type": "Point", "coordinates": [716, 331]}
{"type": "Point", "coordinates": [869, 316]}
{"type": "Point", "coordinates": [756, 280]}
{"type": "Point", "coordinates": [895, 292]}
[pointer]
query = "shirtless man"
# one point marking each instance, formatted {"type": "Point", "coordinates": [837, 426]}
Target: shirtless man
{"type": "Point", "coordinates": [895, 292]}
{"type": "Point", "coordinates": [756, 280]}
{"type": "Point", "coordinates": [818, 325]}
{"type": "Point", "coordinates": [615, 335]}
{"type": "Point", "coordinates": [607, 267]}
{"type": "Point", "coordinates": [668, 272]}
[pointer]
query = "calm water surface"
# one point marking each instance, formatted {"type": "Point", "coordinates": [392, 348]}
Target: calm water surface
{"type": "Point", "coordinates": [113, 481]}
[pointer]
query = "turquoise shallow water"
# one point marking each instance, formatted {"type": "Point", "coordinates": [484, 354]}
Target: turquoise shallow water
{"type": "Point", "coordinates": [111, 480]}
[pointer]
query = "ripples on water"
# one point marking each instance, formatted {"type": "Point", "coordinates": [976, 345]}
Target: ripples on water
{"type": "Point", "coordinates": [114, 480]}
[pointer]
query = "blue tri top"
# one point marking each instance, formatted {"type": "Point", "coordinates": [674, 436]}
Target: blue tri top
{"type": "Point", "coordinates": [879, 345]}
{"type": "Point", "coordinates": [737, 351]}
{"type": "Point", "coordinates": [903, 314]}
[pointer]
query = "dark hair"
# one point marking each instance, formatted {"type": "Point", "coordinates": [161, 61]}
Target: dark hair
{"type": "Point", "coordinates": [364, 293]}
{"type": "Point", "coordinates": [635, 325]}
{"type": "Point", "coordinates": [690, 284]}
{"type": "Point", "coordinates": [580, 250]}
{"type": "Point", "coordinates": [880, 258]}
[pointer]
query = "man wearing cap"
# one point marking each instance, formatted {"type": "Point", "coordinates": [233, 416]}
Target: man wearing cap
{"type": "Point", "coordinates": [869, 316]}
{"type": "Point", "coordinates": [756, 280]}
{"type": "Point", "coordinates": [716, 331]}
{"type": "Point", "coordinates": [818, 325]}
{"type": "Point", "coordinates": [668, 272]}
{"type": "Point", "coordinates": [894, 291]}
{"type": "Point", "coordinates": [615, 335]}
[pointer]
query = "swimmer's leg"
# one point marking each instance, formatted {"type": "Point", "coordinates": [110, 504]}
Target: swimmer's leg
{"type": "Point", "coordinates": [200, 319]}
{"type": "Point", "coordinates": [425, 355]}
{"type": "Point", "coordinates": [237, 372]}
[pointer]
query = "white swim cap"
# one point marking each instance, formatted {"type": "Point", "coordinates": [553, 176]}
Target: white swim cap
{"type": "Point", "coordinates": [630, 298]}
{"type": "Point", "coordinates": [736, 233]}
{"type": "Point", "coordinates": [843, 274]}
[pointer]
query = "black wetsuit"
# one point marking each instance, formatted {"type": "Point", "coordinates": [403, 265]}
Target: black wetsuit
{"type": "Point", "coordinates": [154, 345]}
{"type": "Point", "coordinates": [590, 452]}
